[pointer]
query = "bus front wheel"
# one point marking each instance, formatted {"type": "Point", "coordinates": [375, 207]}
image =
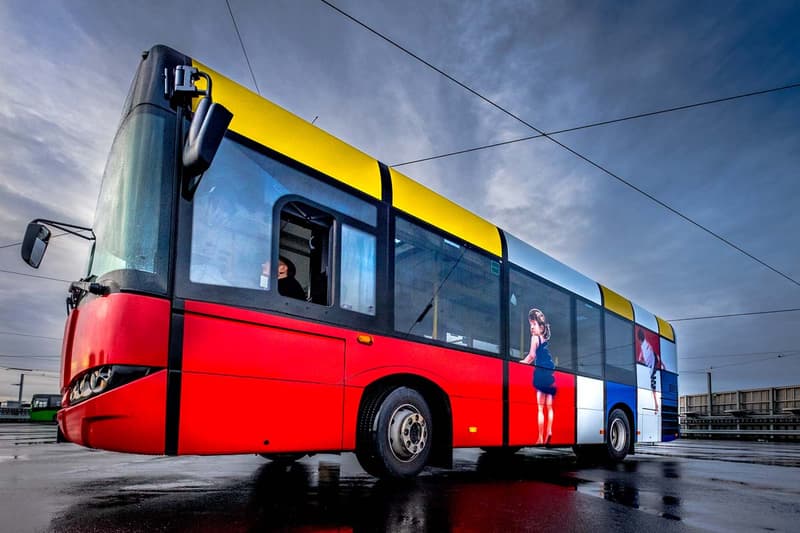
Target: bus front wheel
{"type": "Point", "coordinates": [398, 442]}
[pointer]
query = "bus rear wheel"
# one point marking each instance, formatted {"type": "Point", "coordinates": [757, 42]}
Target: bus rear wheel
{"type": "Point", "coordinates": [618, 441]}
{"type": "Point", "coordinates": [398, 439]}
{"type": "Point", "coordinates": [619, 436]}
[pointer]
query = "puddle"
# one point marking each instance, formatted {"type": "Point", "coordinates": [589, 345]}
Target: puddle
{"type": "Point", "coordinates": [664, 506]}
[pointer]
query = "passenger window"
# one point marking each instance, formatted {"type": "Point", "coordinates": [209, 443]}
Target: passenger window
{"type": "Point", "coordinates": [357, 279]}
{"type": "Point", "coordinates": [589, 333]}
{"type": "Point", "coordinates": [233, 215]}
{"type": "Point", "coordinates": [305, 254]}
{"type": "Point", "coordinates": [527, 294]}
{"type": "Point", "coordinates": [444, 291]}
{"type": "Point", "coordinates": [620, 359]}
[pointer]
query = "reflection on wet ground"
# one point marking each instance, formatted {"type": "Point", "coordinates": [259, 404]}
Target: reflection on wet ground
{"type": "Point", "coordinates": [483, 493]}
{"type": "Point", "coordinates": [68, 488]}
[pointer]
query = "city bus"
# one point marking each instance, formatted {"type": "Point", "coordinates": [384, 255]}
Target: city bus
{"type": "Point", "coordinates": [44, 407]}
{"type": "Point", "coordinates": [243, 256]}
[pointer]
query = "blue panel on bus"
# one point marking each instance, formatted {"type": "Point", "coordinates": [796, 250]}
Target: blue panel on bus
{"type": "Point", "coordinates": [621, 394]}
{"type": "Point", "coordinates": [669, 387]}
{"type": "Point", "coordinates": [670, 430]}
{"type": "Point", "coordinates": [541, 264]}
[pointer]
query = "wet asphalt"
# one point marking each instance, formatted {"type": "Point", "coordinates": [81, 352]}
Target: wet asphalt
{"type": "Point", "coordinates": [682, 486]}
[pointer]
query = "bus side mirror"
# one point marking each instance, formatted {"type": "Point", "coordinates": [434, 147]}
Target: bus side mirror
{"type": "Point", "coordinates": [206, 131]}
{"type": "Point", "coordinates": [35, 244]}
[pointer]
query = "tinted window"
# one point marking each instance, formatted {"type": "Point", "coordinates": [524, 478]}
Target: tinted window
{"type": "Point", "coordinates": [529, 293]}
{"type": "Point", "coordinates": [444, 291]}
{"type": "Point", "coordinates": [620, 363]}
{"type": "Point", "coordinates": [132, 216]}
{"type": "Point", "coordinates": [588, 329]}
{"type": "Point", "coordinates": [357, 271]}
{"type": "Point", "coordinates": [305, 256]}
{"type": "Point", "coordinates": [234, 211]}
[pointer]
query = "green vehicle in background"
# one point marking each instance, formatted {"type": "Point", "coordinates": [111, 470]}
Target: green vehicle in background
{"type": "Point", "coordinates": [44, 407]}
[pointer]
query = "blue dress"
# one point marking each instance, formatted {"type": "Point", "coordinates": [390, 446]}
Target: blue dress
{"type": "Point", "coordinates": [543, 378]}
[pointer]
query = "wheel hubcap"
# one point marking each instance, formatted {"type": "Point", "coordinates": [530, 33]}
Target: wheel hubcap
{"type": "Point", "coordinates": [618, 435]}
{"type": "Point", "coordinates": [408, 433]}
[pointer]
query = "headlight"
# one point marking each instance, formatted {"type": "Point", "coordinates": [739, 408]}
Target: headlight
{"type": "Point", "coordinates": [100, 378]}
{"type": "Point", "coordinates": [104, 378]}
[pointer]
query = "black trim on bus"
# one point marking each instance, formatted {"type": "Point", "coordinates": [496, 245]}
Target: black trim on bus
{"type": "Point", "coordinates": [386, 183]}
{"type": "Point", "coordinates": [384, 263]}
{"type": "Point", "coordinates": [174, 372]}
{"type": "Point", "coordinates": [505, 342]}
{"type": "Point", "coordinates": [175, 353]}
{"type": "Point", "coordinates": [148, 83]}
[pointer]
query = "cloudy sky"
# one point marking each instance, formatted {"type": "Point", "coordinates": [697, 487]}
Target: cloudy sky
{"type": "Point", "coordinates": [731, 167]}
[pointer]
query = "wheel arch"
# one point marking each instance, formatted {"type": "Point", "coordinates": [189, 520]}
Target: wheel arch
{"type": "Point", "coordinates": [437, 399]}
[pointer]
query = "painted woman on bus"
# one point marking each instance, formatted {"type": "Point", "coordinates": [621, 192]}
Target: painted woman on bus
{"type": "Point", "coordinates": [543, 379]}
{"type": "Point", "coordinates": [648, 357]}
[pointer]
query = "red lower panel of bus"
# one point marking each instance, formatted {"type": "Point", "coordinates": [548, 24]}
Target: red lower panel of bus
{"type": "Point", "coordinates": [259, 388]}
{"type": "Point", "coordinates": [531, 419]}
{"type": "Point", "coordinates": [254, 382]}
{"type": "Point", "coordinates": [130, 418]}
{"type": "Point", "coordinates": [118, 329]}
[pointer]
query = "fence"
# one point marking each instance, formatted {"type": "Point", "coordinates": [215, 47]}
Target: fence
{"type": "Point", "coordinates": [772, 413]}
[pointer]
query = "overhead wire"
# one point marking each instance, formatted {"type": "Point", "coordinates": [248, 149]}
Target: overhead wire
{"type": "Point", "coordinates": [244, 50]}
{"type": "Point", "coordinates": [596, 124]}
{"type": "Point", "coordinates": [20, 242]}
{"type": "Point", "coordinates": [709, 356]}
{"type": "Point", "coordinates": [729, 315]}
{"type": "Point", "coordinates": [29, 335]}
{"type": "Point", "coordinates": [562, 145]}
{"type": "Point", "coordinates": [4, 356]}
{"type": "Point", "coordinates": [711, 368]}
{"type": "Point", "coordinates": [34, 276]}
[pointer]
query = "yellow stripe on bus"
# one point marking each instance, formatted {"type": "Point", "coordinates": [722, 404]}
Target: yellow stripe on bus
{"type": "Point", "coordinates": [423, 203]}
{"type": "Point", "coordinates": [274, 127]}
{"type": "Point", "coordinates": [665, 329]}
{"type": "Point", "coordinates": [617, 303]}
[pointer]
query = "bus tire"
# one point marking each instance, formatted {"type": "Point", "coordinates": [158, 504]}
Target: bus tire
{"type": "Point", "coordinates": [400, 440]}
{"type": "Point", "coordinates": [619, 436]}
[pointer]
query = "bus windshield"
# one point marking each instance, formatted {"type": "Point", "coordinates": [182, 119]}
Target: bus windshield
{"type": "Point", "coordinates": [133, 209]}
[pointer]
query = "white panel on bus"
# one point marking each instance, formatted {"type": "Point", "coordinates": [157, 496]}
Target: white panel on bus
{"type": "Point", "coordinates": [645, 318]}
{"type": "Point", "coordinates": [649, 428]}
{"type": "Point", "coordinates": [644, 380]}
{"type": "Point", "coordinates": [591, 419]}
{"type": "Point", "coordinates": [541, 264]}
{"type": "Point", "coordinates": [646, 403]}
{"type": "Point", "coordinates": [669, 356]}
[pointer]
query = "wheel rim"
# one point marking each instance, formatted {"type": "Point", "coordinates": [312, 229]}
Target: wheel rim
{"type": "Point", "coordinates": [407, 432]}
{"type": "Point", "coordinates": [618, 435]}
